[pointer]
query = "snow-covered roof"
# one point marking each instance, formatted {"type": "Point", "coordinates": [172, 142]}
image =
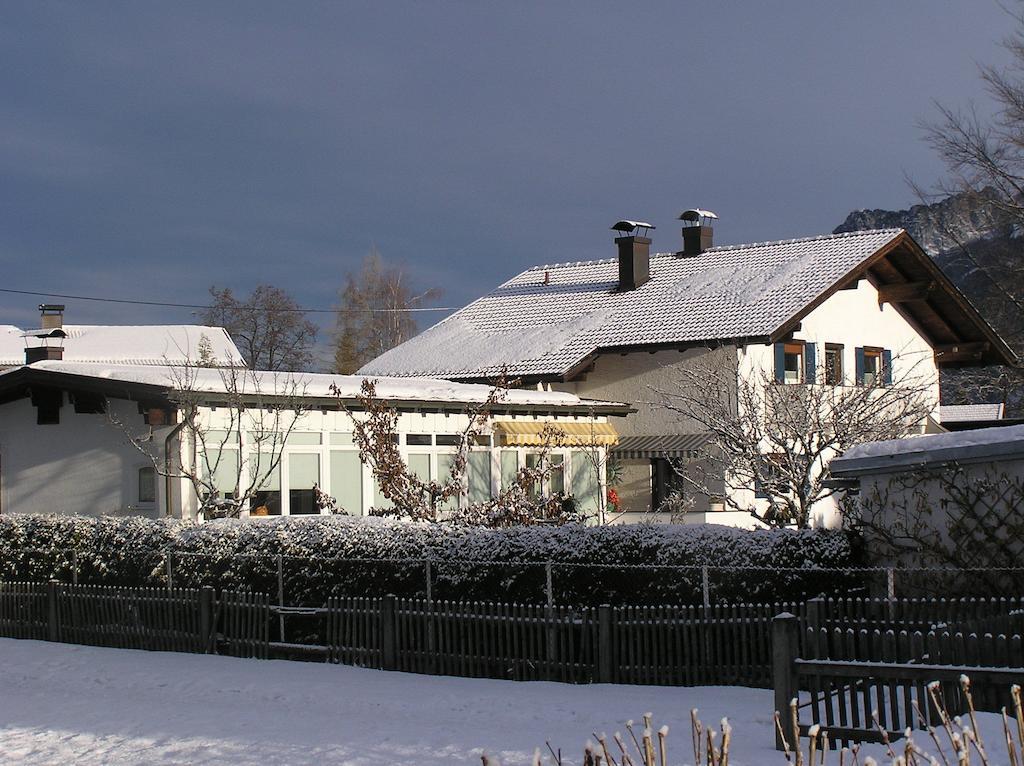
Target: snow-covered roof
{"type": "Point", "coordinates": [126, 344]}
{"type": "Point", "coordinates": [550, 318]}
{"type": "Point", "coordinates": [970, 413]}
{"type": "Point", "coordinates": [1004, 442]}
{"type": "Point", "coordinates": [314, 386]}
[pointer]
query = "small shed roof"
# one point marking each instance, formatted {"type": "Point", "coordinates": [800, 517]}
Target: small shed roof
{"type": "Point", "coordinates": [1006, 442]}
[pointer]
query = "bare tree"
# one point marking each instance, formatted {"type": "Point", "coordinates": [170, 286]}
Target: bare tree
{"type": "Point", "coordinates": [227, 461]}
{"type": "Point", "coordinates": [375, 432]}
{"type": "Point", "coordinates": [985, 159]}
{"type": "Point", "coordinates": [778, 439]}
{"type": "Point", "coordinates": [375, 313]}
{"type": "Point", "coordinates": [268, 327]}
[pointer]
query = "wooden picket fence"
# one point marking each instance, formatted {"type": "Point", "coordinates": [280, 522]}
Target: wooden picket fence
{"type": "Point", "coordinates": [849, 675]}
{"type": "Point", "coordinates": [23, 610]}
{"type": "Point", "coordinates": [161, 619]}
{"type": "Point", "coordinates": [678, 645]}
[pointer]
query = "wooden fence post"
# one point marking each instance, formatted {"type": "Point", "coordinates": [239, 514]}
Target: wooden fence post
{"type": "Point", "coordinates": [890, 584]}
{"type": "Point", "coordinates": [605, 636]}
{"type": "Point", "coordinates": [549, 590]}
{"type": "Point", "coordinates": [280, 595]}
{"type": "Point", "coordinates": [705, 586]}
{"type": "Point", "coordinates": [389, 655]}
{"type": "Point", "coordinates": [170, 571]}
{"type": "Point", "coordinates": [52, 615]}
{"type": "Point", "coordinates": [206, 619]}
{"type": "Point", "coordinates": [785, 637]}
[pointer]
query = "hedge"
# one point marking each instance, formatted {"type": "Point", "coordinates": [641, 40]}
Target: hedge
{"type": "Point", "coordinates": [371, 556]}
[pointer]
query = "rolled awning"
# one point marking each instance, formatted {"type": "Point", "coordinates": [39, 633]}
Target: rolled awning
{"type": "Point", "coordinates": [514, 433]}
{"type": "Point", "coordinates": [673, 445]}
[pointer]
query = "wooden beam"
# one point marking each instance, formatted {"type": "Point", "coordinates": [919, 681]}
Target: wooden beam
{"type": "Point", "coordinates": [902, 292]}
{"type": "Point", "coordinates": [961, 352]}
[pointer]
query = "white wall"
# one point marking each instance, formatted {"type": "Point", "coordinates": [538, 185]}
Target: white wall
{"type": "Point", "coordinates": [852, 318]}
{"type": "Point", "coordinates": [82, 465]}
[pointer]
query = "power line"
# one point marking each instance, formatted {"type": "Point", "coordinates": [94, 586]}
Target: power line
{"type": "Point", "coordinates": [298, 310]}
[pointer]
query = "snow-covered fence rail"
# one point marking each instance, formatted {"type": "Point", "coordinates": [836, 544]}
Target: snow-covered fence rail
{"type": "Point", "coordinates": [986, 615]}
{"type": "Point", "coordinates": [857, 683]}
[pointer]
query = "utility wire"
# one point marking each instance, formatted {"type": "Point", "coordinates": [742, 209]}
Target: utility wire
{"type": "Point", "coordinates": [204, 307]}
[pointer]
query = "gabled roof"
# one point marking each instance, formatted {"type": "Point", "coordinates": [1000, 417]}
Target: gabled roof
{"type": "Point", "coordinates": [548, 321]}
{"type": "Point", "coordinates": [145, 382]}
{"type": "Point", "coordinates": [126, 344]}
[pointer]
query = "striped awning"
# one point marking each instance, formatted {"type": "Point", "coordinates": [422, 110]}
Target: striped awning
{"type": "Point", "coordinates": [674, 445]}
{"type": "Point", "coordinates": [515, 433]}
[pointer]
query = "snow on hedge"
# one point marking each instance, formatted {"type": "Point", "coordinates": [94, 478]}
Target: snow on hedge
{"type": "Point", "coordinates": [327, 554]}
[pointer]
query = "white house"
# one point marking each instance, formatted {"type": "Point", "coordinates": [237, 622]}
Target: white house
{"type": "Point", "coordinates": [97, 428]}
{"type": "Point", "coordinates": [837, 310]}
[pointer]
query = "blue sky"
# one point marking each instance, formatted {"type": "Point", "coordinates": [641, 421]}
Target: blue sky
{"type": "Point", "coordinates": [149, 150]}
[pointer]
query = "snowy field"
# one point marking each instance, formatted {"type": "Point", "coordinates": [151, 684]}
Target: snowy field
{"type": "Point", "coordinates": [65, 704]}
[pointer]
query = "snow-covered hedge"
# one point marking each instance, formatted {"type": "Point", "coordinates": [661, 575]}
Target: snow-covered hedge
{"type": "Point", "coordinates": [371, 556]}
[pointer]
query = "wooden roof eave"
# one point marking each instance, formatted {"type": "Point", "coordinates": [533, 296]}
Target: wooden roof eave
{"type": "Point", "coordinates": [1002, 353]}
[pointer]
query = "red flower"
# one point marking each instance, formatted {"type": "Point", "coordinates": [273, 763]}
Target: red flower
{"type": "Point", "coordinates": [613, 497]}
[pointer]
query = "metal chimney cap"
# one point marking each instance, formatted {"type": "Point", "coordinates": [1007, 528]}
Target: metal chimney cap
{"type": "Point", "coordinates": [696, 214]}
{"type": "Point", "coordinates": [51, 307]}
{"type": "Point", "coordinates": [627, 226]}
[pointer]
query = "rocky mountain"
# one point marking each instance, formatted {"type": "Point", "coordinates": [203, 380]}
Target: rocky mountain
{"type": "Point", "coordinates": [982, 252]}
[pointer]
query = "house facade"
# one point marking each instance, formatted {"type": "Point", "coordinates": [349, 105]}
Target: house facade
{"type": "Point", "coordinates": [862, 309]}
{"type": "Point", "coordinates": [109, 437]}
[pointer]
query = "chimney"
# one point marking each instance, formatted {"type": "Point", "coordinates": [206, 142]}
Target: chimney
{"type": "Point", "coordinates": [698, 235]}
{"type": "Point", "coordinates": [634, 254]}
{"type": "Point", "coordinates": [48, 341]}
{"type": "Point", "coordinates": [43, 353]}
{"type": "Point", "coordinates": [52, 315]}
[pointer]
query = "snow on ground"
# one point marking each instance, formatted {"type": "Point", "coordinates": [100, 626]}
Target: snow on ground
{"type": "Point", "coordinates": [62, 704]}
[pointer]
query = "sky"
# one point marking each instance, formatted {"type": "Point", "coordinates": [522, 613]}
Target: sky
{"type": "Point", "coordinates": [150, 150]}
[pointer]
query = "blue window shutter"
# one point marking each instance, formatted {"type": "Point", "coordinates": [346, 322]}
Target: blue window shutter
{"type": "Point", "coordinates": [780, 362]}
{"type": "Point", "coordinates": [886, 367]}
{"type": "Point", "coordinates": [858, 365]}
{"type": "Point", "coordinates": [810, 363]}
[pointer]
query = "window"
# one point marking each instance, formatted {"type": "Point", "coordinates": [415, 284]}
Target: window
{"type": "Point", "coordinates": [874, 366]}
{"type": "Point", "coordinates": [833, 364]}
{"type": "Point", "coordinates": [419, 440]}
{"type": "Point", "coordinates": [479, 476]}
{"type": "Point", "coordinates": [147, 484]}
{"type": "Point", "coordinates": [666, 481]}
{"type": "Point", "coordinates": [769, 480]}
{"type": "Point", "coordinates": [789, 362]}
{"type": "Point", "coordinates": [586, 488]}
{"type": "Point", "coordinates": [448, 440]}
{"type": "Point", "coordinates": [347, 480]}
{"type": "Point", "coordinates": [557, 475]}
{"type": "Point", "coordinates": [266, 500]}
{"type": "Point", "coordinates": [303, 475]}
{"type": "Point", "coordinates": [509, 468]}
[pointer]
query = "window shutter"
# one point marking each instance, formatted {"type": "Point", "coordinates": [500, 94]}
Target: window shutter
{"type": "Point", "coordinates": [886, 367]}
{"type": "Point", "coordinates": [780, 362]}
{"type": "Point", "coordinates": [858, 367]}
{"type": "Point", "coordinates": [810, 363]}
